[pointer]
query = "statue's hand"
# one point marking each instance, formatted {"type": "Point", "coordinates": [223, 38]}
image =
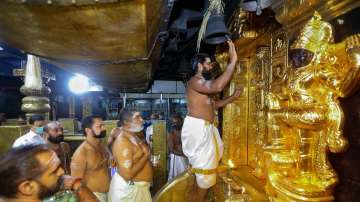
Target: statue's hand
{"type": "Point", "coordinates": [353, 48]}
{"type": "Point", "coordinates": [336, 142]}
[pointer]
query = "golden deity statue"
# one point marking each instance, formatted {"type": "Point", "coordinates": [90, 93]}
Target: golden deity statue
{"type": "Point", "coordinates": [307, 115]}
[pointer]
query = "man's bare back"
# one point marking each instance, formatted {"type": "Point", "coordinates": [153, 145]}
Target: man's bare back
{"type": "Point", "coordinates": [132, 157]}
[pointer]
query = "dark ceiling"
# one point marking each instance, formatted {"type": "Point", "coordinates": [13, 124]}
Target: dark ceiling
{"type": "Point", "coordinates": [174, 61]}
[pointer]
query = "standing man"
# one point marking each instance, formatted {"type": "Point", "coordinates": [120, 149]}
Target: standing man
{"type": "Point", "coordinates": [134, 173]}
{"type": "Point", "coordinates": [54, 138]}
{"type": "Point", "coordinates": [34, 136]}
{"type": "Point", "coordinates": [201, 142]}
{"type": "Point", "coordinates": [178, 161]}
{"type": "Point", "coordinates": [90, 160]}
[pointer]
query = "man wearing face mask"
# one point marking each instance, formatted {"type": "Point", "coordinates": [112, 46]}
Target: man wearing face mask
{"type": "Point", "coordinates": [134, 173]}
{"type": "Point", "coordinates": [201, 141]}
{"type": "Point", "coordinates": [34, 136]}
{"type": "Point", "coordinates": [34, 173]}
{"type": "Point", "coordinates": [54, 138]}
{"type": "Point", "coordinates": [90, 160]}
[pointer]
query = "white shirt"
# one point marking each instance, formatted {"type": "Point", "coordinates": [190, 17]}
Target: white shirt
{"type": "Point", "coordinates": [149, 133]}
{"type": "Point", "coordinates": [29, 138]}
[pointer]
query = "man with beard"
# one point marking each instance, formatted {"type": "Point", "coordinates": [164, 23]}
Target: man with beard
{"type": "Point", "coordinates": [134, 174]}
{"type": "Point", "coordinates": [33, 173]}
{"type": "Point", "coordinates": [90, 160]}
{"type": "Point", "coordinates": [54, 138]}
{"type": "Point", "coordinates": [201, 142]}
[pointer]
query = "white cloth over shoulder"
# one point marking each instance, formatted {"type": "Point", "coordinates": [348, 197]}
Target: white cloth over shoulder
{"type": "Point", "coordinates": [29, 138]}
{"type": "Point", "coordinates": [178, 164]}
{"type": "Point", "coordinates": [122, 191]}
{"type": "Point", "coordinates": [101, 196]}
{"type": "Point", "coordinates": [203, 146]}
{"type": "Point", "coordinates": [149, 132]}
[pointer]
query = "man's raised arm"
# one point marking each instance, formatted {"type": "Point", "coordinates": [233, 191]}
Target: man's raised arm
{"type": "Point", "coordinates": [217, 85]}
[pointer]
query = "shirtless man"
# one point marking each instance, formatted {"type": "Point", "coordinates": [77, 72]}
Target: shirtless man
{"type": "Point", "coordinates": [201, 142]}
{"type": "Point", "coordinates": [178, 161]}
{"type": "Point", "coordinates": [54, 138]}
{"type": "Point", "coordinates": [90, 160]}
{"type": "Point", "coordinates": [134, 174]}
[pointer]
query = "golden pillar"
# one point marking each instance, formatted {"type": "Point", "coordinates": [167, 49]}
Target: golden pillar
{"type": "Point", "coordinates": [159, 154]}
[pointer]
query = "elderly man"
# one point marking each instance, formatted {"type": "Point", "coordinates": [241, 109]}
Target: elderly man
{"type": "Point", "coordinates": [33, 173]}
{"type": "Point", "coordinates": [34, 136]}
{"type": "Point", "coordinates": [54, 138]}
{"type": "Point", "coordinates": [201, 142]}
{"type": "Point", "coordinates": [134, 171]}
{"type": "Point", "coordinates": [90, 160]}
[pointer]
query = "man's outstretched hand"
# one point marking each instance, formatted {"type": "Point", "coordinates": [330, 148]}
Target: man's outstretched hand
{"type": "Point", "coordinates": [232, 52]}
{"type": "Point", "coordinates": [238, 91]}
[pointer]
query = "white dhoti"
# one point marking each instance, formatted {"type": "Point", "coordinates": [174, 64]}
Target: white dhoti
{"type": "Point", "coordinates": [203, 146]}
{"type": "Point", "coordinates": [122, 191]}
{"type": "Point", "coordinates": [178, 164]}
{"type": "Point", "coordinates": [101, 196]}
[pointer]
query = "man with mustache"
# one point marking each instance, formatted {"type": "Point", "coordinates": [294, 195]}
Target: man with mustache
{"type": "Point", "coordinates": [54, 138]}
{"type": "Point", "coordinates": [90, 160]}
{"type": "Point", "coordinates": [201, 141]}
{"type": "Point", "coordinates": [134, 174]}
{"type": "Point", "coordinates": [34, 173]}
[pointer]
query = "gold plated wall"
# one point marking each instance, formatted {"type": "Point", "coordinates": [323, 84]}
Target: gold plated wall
{"type": "Point", "coordinates": [160, 149]}
{"type": "Point", "coordinates": [289, 117]}
{"type": "Point", "coordinates": [8, 135]}
{"type": "Point", "coordinates": [235, 134]}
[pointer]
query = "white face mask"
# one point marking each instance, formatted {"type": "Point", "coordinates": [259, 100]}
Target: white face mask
{"type": "Point", "coordinates": [135, 128]}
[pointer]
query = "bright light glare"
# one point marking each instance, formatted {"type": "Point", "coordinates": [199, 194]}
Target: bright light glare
{"type": "Point", "coordinates": [79, 84]}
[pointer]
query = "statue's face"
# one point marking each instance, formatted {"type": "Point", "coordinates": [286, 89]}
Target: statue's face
{"type": "Point", "coordinates": [300, 57]}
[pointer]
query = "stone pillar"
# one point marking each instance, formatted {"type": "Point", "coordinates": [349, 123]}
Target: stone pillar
{"type": "Point", "coordinates": [86, 106]}
{"type": "Point", "coordinates": [36, 101]}
{"type": "Point", "coordinates": [71, 100]}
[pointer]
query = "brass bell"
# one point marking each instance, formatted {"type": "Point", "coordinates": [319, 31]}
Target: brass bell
{"type": "Point", "coordinates": [216, 30]}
